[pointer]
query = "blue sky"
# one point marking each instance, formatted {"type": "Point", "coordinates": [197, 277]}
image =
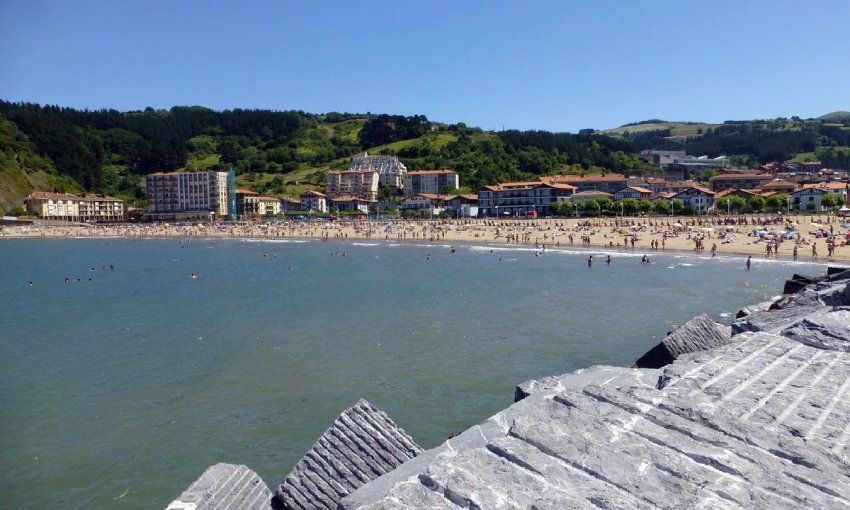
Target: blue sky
{"type": "Point", "coordinates": [555, 65]}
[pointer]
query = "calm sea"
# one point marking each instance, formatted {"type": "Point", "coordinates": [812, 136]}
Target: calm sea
{"type": "Point", "coordinates": [118, 392]}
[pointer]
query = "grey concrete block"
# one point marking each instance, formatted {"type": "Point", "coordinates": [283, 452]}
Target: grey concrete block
{"type": "Point", "coordinates": [362, 444]}
{"type": "Point", "coordinates": [225, 486]}
{"type": "Point", "coordinates": [698, 334]}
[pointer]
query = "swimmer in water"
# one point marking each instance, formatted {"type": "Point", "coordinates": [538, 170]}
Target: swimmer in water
{"type": "Point", "coordinates": [590, 261]}
{"type": "Point", "coordinates": [749, 261]}
{"type": "Point", "coordinates": [608, 260]}
{"type": "Point", "coordinates": [645, 259]}
{"type": "Point", "coordinates": [289, 268]}
{"type": "Point", "coordinates": [194, 276]}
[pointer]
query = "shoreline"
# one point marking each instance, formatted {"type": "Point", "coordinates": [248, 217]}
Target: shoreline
{"type": "Point", "coordinates": [745, 236]}
{"type": "Point", "coordinates": [595, 249]}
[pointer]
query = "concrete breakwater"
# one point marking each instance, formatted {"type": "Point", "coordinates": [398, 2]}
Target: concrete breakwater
{"type": "Point", "coordinates": [752, 416]}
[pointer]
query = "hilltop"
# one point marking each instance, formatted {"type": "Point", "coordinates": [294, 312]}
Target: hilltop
{"type": "Point", "coordinates": [281, 153]}
{"type": "Point", "coordinates": [284, 153]}
{"type": "Point", "coordinates": [750, 142]}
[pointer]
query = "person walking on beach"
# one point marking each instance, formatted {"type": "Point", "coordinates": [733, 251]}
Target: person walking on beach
{"type": "Point", "coordinates": [795, 252]}
{"type": "Point", "coordinates": [749, 261]}
{"type": "Point", "coordinates": [713, 249]}
{"type": "Point", "coordinates": [814, 251]}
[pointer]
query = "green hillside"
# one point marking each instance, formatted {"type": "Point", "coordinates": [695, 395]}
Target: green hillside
{"type": "Point", "coordinates": [22, 170]}
{"type": "Point", "coordinates": [749, 142]}
{"type": "Point", "coordinates": [676, 128]}
{"type": "Point", "coordinates": [283, 153]}
{"type": "Point", "coordinates": [839, 116]}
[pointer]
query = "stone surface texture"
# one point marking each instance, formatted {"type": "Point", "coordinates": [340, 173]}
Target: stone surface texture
{"type": "Point", "coordinates": [225, 486]}
{"type": "Point", "coordinates": [362, 444]}
{"type": "Point", "coordinates": [698, 334]}
{"type": "Point", "coordinates": [760, 422]}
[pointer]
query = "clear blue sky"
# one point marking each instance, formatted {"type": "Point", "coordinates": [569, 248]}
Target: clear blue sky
{"type": "Point", "coordinates": [555, 65]}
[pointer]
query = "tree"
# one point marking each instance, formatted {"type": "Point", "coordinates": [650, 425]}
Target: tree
{"type": "Point", "coordinates": [628, 206]}
{"type": "Point", "coordinates": [832, 201]}
{"type": "Point", "coordinates": [645, 206]}
{"type": "Point", "coordinates": [756, 203]}
{"type": "Point", "coordinates": [385, 193]}
{"type": "Point", "coordinates": [661, 207]}
{"type": "Point", "coordinates": [677, 206]}
{"type": "Point", "coordinates": [590, 206]}
{"type": "Point", "coordinates": [776, 203]}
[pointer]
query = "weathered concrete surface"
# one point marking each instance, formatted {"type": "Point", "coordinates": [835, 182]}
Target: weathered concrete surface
{"type": "Point", "coordinates": [760, 422]}
{"type": "Point", "coordinates": [602, 375]}
{"type": "Point", "coordinates": [826, 329]}
{"type": "Point", "coordinates": [698, 334]}
{"type": "Point", "coordinates": [362, 444]}
{"type": "Point", "coordinates": [225, 486]}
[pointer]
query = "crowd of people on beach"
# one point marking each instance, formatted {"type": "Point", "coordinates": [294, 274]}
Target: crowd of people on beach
{"type": "Point", "coordinates": [774, 236]}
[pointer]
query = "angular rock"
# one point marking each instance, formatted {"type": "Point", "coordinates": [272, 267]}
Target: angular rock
{"type": "Point", "coordinates": [221, 486]}
{"type": "Point", "coordinates": [749, 310]}
{"type": "Point", "coordinates": [362, 444]}
{"type": "Point", "coordinates": [829, 329]}
{"type": "Point", "coordinates": [698, 334]}
{"type": "Point", "coordinates": [782, 314]}
{"type": "Point", "coordinates": [600, 375]}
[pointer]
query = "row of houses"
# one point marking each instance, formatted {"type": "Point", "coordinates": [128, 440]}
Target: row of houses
{"type": "Point", "coordinates": [87, 207]}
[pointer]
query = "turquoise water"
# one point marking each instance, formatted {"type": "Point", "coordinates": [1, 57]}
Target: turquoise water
{"type": "Point", "coordinates": [117, 393]}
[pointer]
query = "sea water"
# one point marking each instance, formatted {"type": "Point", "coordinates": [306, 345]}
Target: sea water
{"type": "Point", "coordinates": [118, 390]}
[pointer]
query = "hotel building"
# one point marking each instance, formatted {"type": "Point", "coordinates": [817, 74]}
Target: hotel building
{"type": "Point", "coordinates": [357, 183]}
{"type": "Point", "coordinates": [521, 198]}
{"type": "Point", "coordinates": [192, 195]}
{"type": "Point", "coordinates": [430, 181]}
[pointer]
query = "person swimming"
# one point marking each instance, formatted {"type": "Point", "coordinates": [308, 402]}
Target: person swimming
{"type": "Point", "coordinates": [749, 261]}
{"type": "Point", "coordinates": [194, 276]}
{"type": "Point", "coordinates": [645, 259]}
{"type": "Point", "coordinates": [608, 260]}
{"type": "Point", "coordinates": [590, 261]}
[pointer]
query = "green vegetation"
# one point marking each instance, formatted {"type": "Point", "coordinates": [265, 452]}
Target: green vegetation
{"type": "Point", "coordinates": [749, 142]}
{"type": "Point", "coordinates": [283, 153]}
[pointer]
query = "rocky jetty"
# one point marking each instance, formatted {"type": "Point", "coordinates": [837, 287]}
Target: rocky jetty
{"type": "Point", "coordinates": [225, 486]}
{"type": "Point", "coordinates": [362, 444]}
{"type": "Point", "coordinates": [752, 416]}
{"type": "Point", "coordinates": [760, 419]}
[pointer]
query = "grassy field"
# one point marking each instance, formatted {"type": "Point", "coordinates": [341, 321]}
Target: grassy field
{"type": "Point", "coordinates": [676, 128]}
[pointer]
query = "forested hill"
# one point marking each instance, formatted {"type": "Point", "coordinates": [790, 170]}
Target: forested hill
{"type": "Point", "coordinates": [274, 152]}
{"type": "Point", "coordinates": [825, 139]}
{"type": "Point", "coordinates": [286, 152]}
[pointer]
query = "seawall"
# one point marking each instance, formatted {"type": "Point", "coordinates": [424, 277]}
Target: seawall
{"type": "Point", "coordinates": [756, 415]}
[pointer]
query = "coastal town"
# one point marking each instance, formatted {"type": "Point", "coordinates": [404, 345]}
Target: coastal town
{"type": "Point", "coordinates": [778, 209]}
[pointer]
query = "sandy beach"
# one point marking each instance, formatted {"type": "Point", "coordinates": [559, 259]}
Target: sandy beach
{"type": "Point", "coordinates": [758, 235]}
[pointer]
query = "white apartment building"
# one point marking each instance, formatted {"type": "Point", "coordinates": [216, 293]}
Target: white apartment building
{"type": "Point", "coordinates": [430, 181]}
{"type": "Point", "coordinates": [357, 183]}
{"type": "Point", "coordinates": [66, 206]}
{"type": "Point", "coordinates": [390, 169]}
{"type": "Point", "coordinates": [193, 191]}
